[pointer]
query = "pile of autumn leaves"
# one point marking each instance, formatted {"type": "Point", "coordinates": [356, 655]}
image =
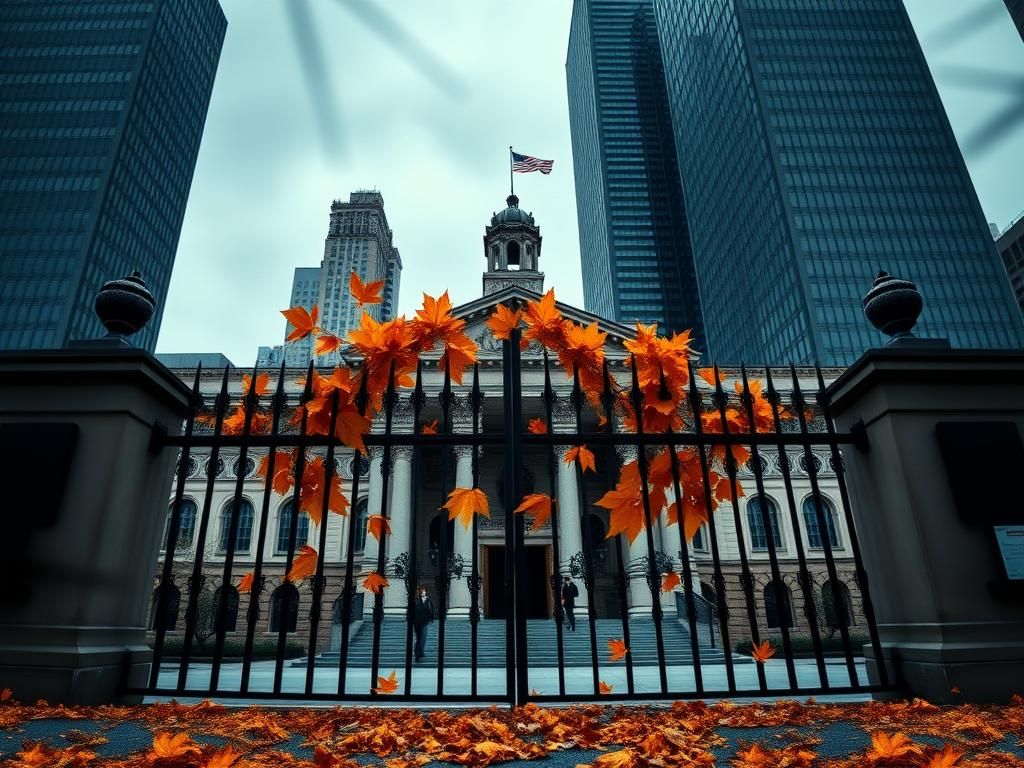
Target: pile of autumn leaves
{"type": "Point", "coordinates": [675, 477]}
{"type": "Point", "coordinates": [626, 737]}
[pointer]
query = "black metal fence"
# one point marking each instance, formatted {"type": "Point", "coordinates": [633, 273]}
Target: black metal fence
{"type": "Point", "coordinates": [512, 640]}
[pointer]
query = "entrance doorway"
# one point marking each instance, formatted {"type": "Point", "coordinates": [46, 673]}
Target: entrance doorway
{"type": "Point", "coordinates": [534, 580]}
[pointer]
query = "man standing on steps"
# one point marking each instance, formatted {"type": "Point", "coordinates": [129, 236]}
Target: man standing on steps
{"type": "Point", "coordinates": [423, 614]}
{"type": "Point", "coordinates": [569, 595]}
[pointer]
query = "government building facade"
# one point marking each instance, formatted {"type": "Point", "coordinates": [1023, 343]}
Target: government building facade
{"type": "Point", "coordinates": [413, 486]}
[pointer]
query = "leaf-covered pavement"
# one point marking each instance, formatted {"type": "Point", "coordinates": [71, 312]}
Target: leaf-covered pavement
{"type": "Point", "coordinates": [782, 734]}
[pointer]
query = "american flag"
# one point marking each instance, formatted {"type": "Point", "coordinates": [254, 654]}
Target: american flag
{"type": "Point", "coordinates": [527, 164]}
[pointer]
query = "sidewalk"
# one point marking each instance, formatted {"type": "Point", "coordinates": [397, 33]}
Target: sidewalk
{"type": "Point", "coordinates": [761, 735]}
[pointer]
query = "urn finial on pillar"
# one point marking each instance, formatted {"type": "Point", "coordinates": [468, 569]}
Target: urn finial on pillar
{"type": "Point", "coordinates": [124, 306]}
{"type": "Point", "coordinates": [893, 306]}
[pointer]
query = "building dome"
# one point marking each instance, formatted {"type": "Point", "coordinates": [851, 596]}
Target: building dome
{"type": "Point", "coordinates": [512, 215]}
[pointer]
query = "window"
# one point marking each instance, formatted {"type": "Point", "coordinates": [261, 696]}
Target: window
{"type": "Point", "coordinates": [230, 610]}
{"type": "Point", "coordinates": [835, 604]}
{"type": "Point", "coordinates": [284, 529]}
{"type": "Point", "coordinates": [186, 525]}
{"type": "Point", "coordinates": [245, 516]}
{"type": "Point", "coordinates": [284, 606]}
{"type": "Point", "coordinates": [778, 607]}
{"type": "Point", "coordinates": [700, 541]}
{"type": "Point", "coordinates": [170, 610]}
{"type": "Point", "coordinates": [361, 520]}
{"type": "Point", "coordinates": [755, 521]}
{"type": "Point", "coordinates": [811, 522]}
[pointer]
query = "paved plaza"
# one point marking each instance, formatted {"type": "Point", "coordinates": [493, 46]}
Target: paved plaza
{"type": "Point", "coordinates": [491, 681]}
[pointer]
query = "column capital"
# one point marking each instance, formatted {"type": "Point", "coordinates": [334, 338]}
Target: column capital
{"type": "Point", "coordinates": [401, 453]}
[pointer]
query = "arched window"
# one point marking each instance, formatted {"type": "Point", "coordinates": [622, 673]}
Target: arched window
{"type": "Point", "coordinates": [284, 606]}
{"type": "Point", "coordinates": [755, 521]}
{"type": "Point", "coordinates": [245, 515]}
{"type": "Point", "coordinates": [186, 525]}
{"type": "Point", "coordinates": [230, 611]}
{"type": "Point", "coordinates": [170, 609]}
{"type": "Point", "coordinates": [512, 250]}
{"type": "Point", "coordinates": [811, 522]}
{"type": "Point", "coordinates": [835, 604]}
{"type": "Point", "coordinates": [778, 607]}
{"type": "Point", "coordinates": [699, 540]}
{"type": "Point", "coordinates": [361, 520]}
{"type": "Point", "coordinates": [284, 529]}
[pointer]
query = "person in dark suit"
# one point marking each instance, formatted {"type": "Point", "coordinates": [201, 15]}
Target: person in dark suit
{"type": "Point", "coordinates": [423, 614]}
{"type": "Point", "coordinates": [569, 595]}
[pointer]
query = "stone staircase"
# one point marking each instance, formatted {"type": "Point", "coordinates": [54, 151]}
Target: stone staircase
{"type": "Point", "coordinates": [541, 644]}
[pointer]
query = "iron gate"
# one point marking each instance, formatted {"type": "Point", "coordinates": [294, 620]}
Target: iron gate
{"type": "Point", "coordinates": [684, 642]}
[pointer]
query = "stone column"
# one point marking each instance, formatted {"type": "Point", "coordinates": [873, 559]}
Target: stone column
{"type": "Point", "coordinates": [636, 555]}
{"type": "Point", "coordinates": [947, 616]}
{"type": "Point", "coordinates": [87, 495]}
{"type": "Point", "coordinates": [672, 545]}
{"type": "Point", "coordinates": [459, 599]}
{"type": "Point", "coordinates": [570, 533]}
{"type": "Point", "coordinates": [373, 500]}
{"type": "Point", "coordinates": [395, 596]}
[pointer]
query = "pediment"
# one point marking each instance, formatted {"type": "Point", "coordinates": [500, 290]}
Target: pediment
{"type": "Point", "coordinates": [476, 312]}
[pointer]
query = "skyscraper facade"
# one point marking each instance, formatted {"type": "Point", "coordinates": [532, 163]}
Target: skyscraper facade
{"type": "Point", "coordinates": [1010, 244]}
{"type": "Point", "coordinates": [634, 242]}
{"type": "Point", "coordinates": [305, 293]}
{"type": "Point", "coordinates": [103, 109]}
{"type": "Point", "coordinates": [358, 240]}
{"type": "Point", "coordinates": [814, 150]}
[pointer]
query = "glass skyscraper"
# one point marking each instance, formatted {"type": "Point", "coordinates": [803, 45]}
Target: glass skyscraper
{"type": "Point", "coordinates": [102, 111]}
{"type": "Point", "coordinates": [814, 151]}
{"type": "Point", "coordinates": [634, 242]}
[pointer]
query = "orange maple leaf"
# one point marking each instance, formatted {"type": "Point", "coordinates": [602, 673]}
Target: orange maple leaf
{"type": "Point", "coordinates": [617, 650]}
{"type": "Point", "coordinates": [463, 503]}
{"type": "Point", "coordinates": [377, 525]}
{"type": "Point", "coordinates": [947, 758]}
{"type": "Point", "coordinates": [224, 758]}
{"type": "Point", "coordinates": [304, 564]}
{"type": "Point", "coordinates": [245, 585]}
{"type": "Point", "coordinates": [670, 581]}
{"type": "Point", "coordinates": [167, 746]}
{"type": "Point", "coordinates": [544, 322]}
{"type": "Point", "coordinates": [787, 757]}
{"type": "Point", "coordinates": [284, 474]}
{"type": "Point", "coordinates": [326, 343]}
{"type": "Point", "coordinates": [604, 688]}
{"type": "Point", "coordinates": [623, 758]}
{"type": "Point", "coordinates": [38, 756]}
{"type": "Point", "coordinates": [304, 322]}
{"type": "Point", "coordinates": [262, 382]}
{"type": "Point", "coordinates": [538, 505]}
{"type": "Point", "coordinates": [430, 428]}
{"type": "Point", "coordinates": [375, 583]}
{"type": "Point", "coordinates": [538, 427]}
{"type": "Point", "coordinates": [761, 653]}
{"type": "Point", "coordinates": [585, 456]}
{"type": "Point", "coordinates": [708, 374]}
{"type": "Point", "coordinates": [387, 684]}
{"type": "Point", "coordinates": [885, 747]}
{"type": "Point", "coordinates": [504, 321]}
{"type": "Point", "coordinates": [365, 293]}
{"type": "Point", "coordinates": [625, 504]}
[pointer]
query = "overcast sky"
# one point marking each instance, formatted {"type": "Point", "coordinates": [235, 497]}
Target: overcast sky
{"type": "Point", "coordinates": [427, 97]}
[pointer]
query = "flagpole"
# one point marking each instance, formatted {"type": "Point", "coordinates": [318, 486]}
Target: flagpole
{"type": "Point", "coordinates": [511, 182]}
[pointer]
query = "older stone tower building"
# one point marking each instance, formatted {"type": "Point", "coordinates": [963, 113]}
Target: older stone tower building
{"type": "Point", "coordinates": [512, 249]}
